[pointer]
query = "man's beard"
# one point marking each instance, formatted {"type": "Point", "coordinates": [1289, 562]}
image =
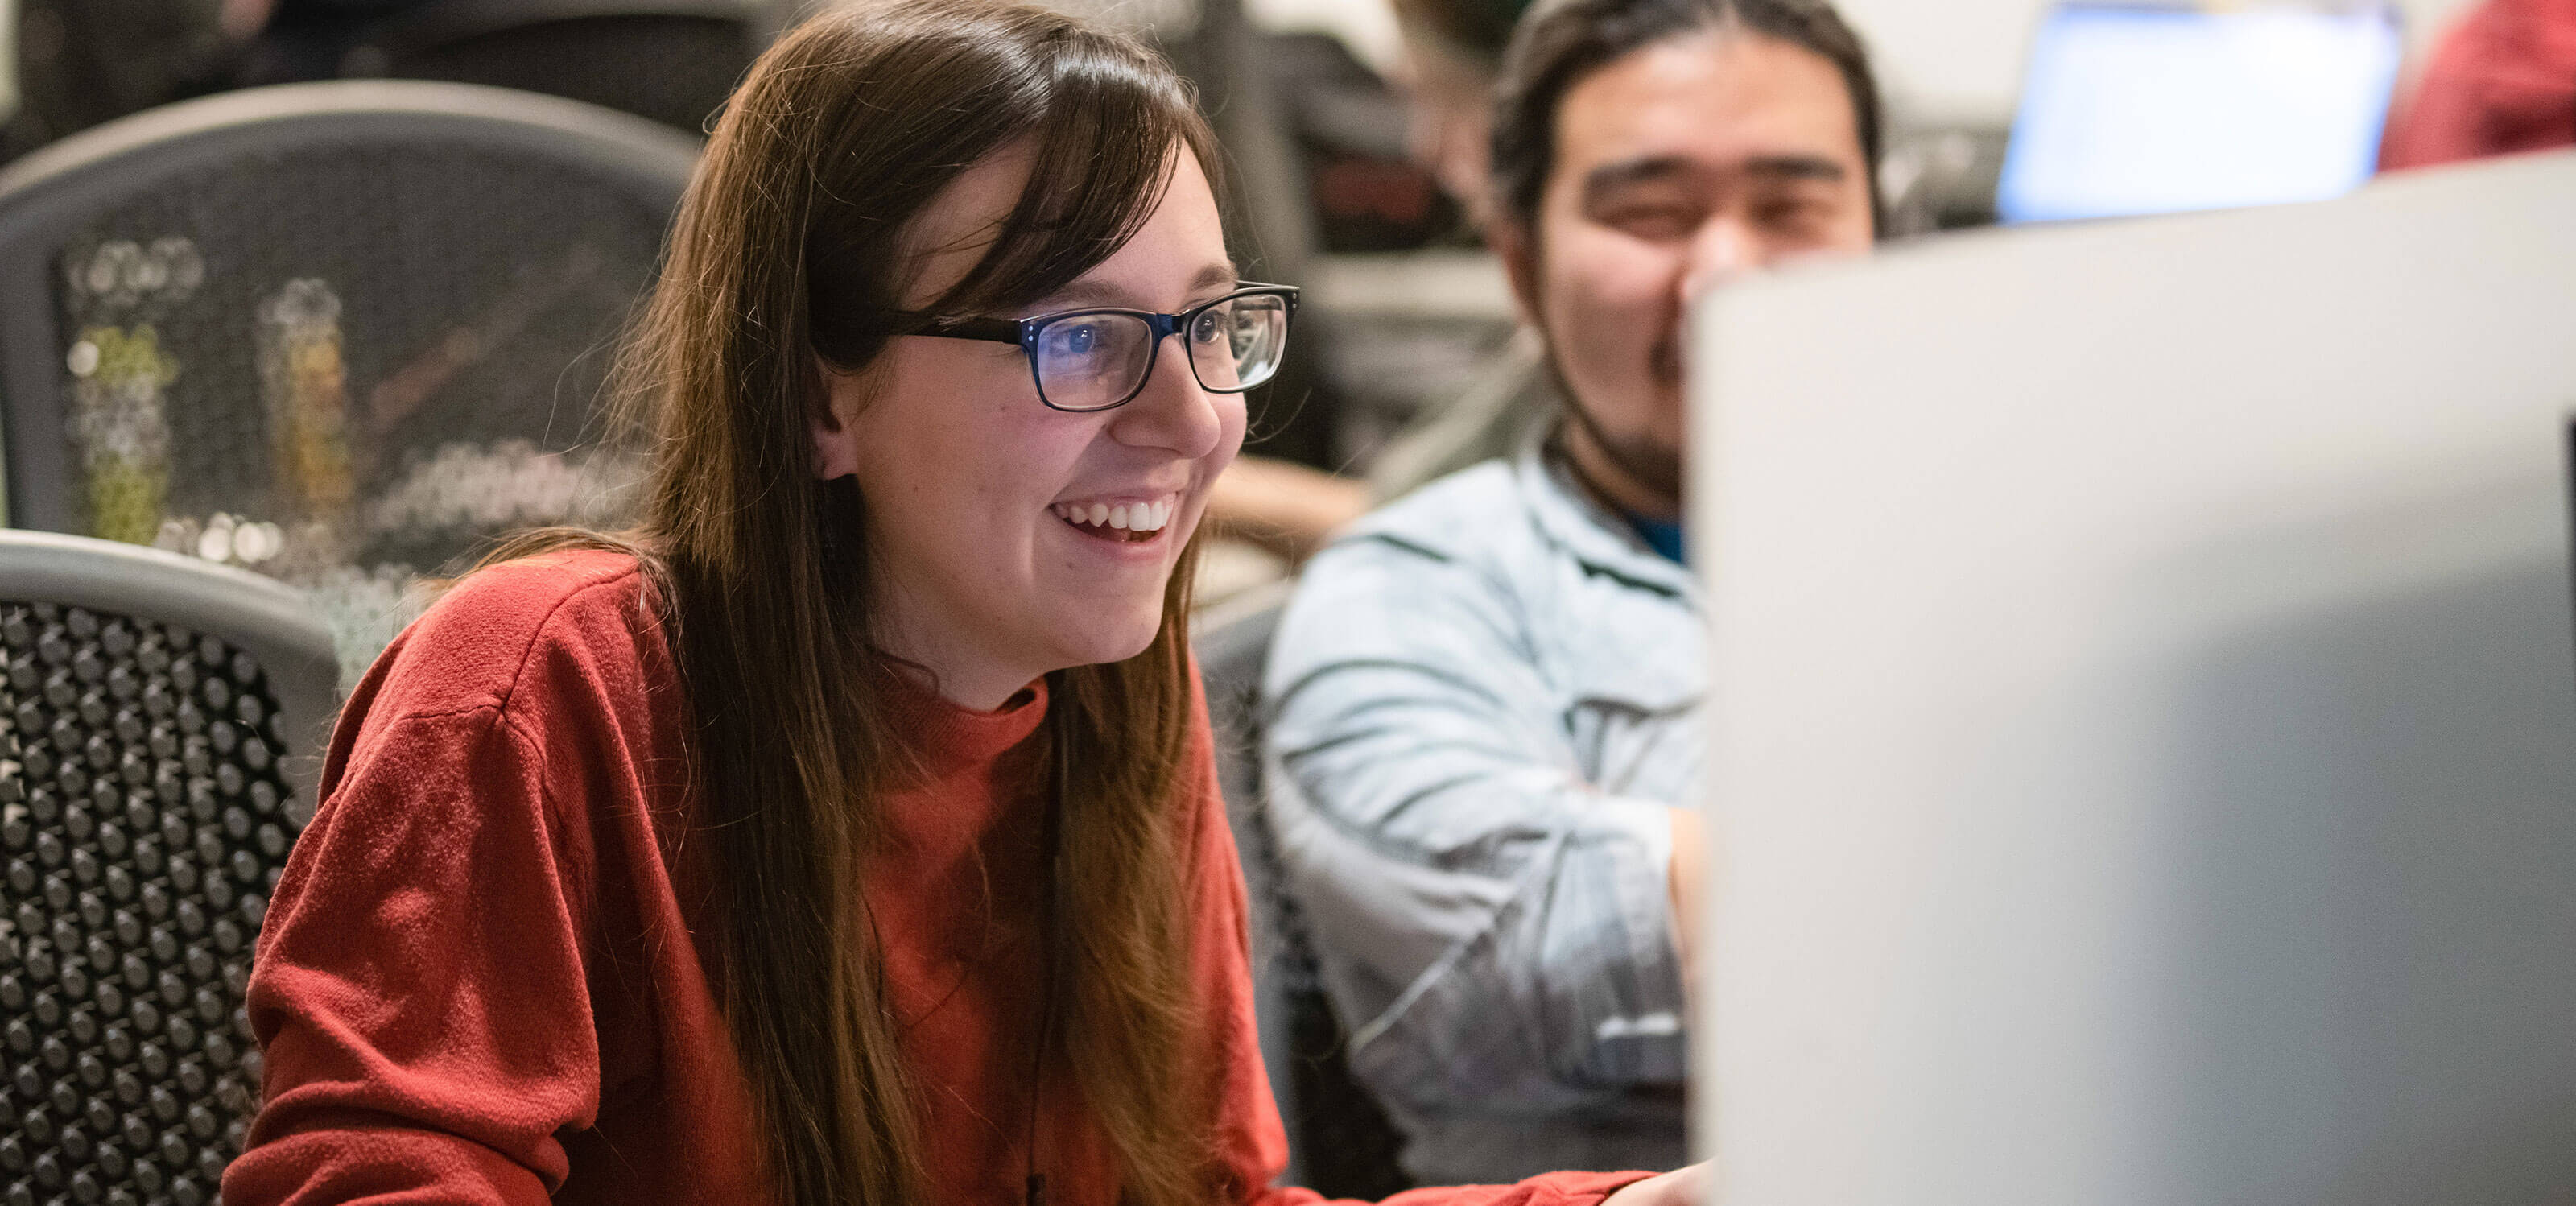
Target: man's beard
{"type": "Point", "coordinates": [1650, 466]}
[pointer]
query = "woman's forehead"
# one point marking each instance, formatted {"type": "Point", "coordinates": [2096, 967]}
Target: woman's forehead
{"type": "Point", "coordinates": [1177, 256]}
{"type": "Point", "coordinates": [1173, 253]}
{"type": "Point", "coordinates": [951, 234]}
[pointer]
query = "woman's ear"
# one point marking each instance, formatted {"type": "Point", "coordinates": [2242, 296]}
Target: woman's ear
{"type": "Point", "coordinates": [836, 444]}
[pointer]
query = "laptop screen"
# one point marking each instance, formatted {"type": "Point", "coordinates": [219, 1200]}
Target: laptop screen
{"type": "Point", "coordinates": [2134, 109]}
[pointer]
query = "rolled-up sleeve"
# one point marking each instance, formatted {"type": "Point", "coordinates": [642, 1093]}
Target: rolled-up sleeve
{"type": "Point", "coordinates": [1492, 928]}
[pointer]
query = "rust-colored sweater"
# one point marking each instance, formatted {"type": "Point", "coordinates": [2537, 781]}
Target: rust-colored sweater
{"type": "Point", "coordinates": [481, 979]}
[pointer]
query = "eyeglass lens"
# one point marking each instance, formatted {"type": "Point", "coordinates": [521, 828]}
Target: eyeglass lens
{"type": "Point", "coordinates": [1091, 361]}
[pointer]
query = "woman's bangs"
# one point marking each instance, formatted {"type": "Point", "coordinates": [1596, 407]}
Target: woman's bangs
{"type": "Point", "coordinates": [1104, 157]}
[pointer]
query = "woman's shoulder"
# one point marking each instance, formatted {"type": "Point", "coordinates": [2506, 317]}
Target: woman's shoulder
{"type": "Point", "coordinates": [530, 591]}
{"type": "Point", "coordinates": [515, 634]}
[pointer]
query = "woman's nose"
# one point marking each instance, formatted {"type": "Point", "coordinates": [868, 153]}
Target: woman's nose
{"type": "Point", "coordinates": [1172, 413]}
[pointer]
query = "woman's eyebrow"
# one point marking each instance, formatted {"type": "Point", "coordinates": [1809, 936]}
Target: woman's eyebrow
{"type": "Point", "coordinates": [1215, 276]}
{"type": "Point", "coordinates": [1103, 293]}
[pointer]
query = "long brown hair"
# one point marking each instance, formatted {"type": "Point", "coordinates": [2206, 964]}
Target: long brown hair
{"type": "Point", "coordinates": [787, 250]}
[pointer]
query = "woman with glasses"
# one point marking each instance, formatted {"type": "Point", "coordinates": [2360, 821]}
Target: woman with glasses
{"type": "Point", "coordinates": [846, 832]}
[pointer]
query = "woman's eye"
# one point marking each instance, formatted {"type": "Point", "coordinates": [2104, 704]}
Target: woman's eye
{"type": "Point", "coordinates": [1073, 341]}
{"type": "Point", "coordinates": [1208, 327]}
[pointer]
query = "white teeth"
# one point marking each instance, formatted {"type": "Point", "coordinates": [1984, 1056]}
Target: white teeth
{"type": "Point", "coordinates": [1125, 517]}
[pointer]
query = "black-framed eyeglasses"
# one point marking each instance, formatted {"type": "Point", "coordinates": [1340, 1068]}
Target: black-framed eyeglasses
{"type": "Point", "coordinates": [1091, 360]}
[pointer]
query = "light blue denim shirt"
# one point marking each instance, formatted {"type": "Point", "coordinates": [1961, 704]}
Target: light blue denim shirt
{"type": "Point", "coordinates": [1482, 705]}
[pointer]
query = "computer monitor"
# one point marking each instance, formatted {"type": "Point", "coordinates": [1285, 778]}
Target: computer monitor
{"type": "Point", "coordinates": [2142, 761]}
{"type": "Point", "coordinates": [2131, 109]}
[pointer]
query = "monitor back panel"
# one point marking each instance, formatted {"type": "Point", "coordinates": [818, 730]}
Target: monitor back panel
{"type": "Point", "coordinates": [2144, 762]}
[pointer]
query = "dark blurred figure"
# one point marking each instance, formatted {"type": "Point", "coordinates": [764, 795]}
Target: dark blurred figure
{"type": "Point", "coordinates": [2503, 80]}
{"type": "Point", "coordinates": [672, 62]}
{"type": "Point", "coordinates": [84, 62]}
{"type": "Point", "coordinates": [307, 39]}
{"type": "Point", "coordinates": [1453, 51]}
{"type": "Point", "coordinates": [1453, 55]}
{"type": "Point", "coordinates": [1350, 127]}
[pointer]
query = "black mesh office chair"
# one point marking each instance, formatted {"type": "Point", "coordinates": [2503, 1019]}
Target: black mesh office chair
{"type": "Point", "coordinates": [339, 333]}
{"type": "Point", "coordinates": [674, 61]}
{"type": "Point", "coordinates": [159, 718]}
{"type": "Point", "coordinates": [1340, 1142]}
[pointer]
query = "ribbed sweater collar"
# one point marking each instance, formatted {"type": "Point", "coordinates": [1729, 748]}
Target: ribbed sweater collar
{"type": "Point", "coordinates": [950, 739]}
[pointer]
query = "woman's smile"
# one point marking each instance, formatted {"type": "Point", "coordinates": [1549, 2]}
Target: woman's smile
{"type": "Point", "coordinates": [1122, 519]}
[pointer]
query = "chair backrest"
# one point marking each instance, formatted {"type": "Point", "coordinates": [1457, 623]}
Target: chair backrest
{"type": "Point", "coordinates": [673, 61]}
{"type": "Point", "coordinates": [158, 721]}
{"type": "Point", "coordinates": [337, 332]}
{"type": "Point", "coordinates": [1340, 1141]}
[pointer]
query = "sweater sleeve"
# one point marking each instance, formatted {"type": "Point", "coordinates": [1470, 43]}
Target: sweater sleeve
{"type": "Point", "coordinates": [1252, 1141]}
{"type": "Point", "coordinates": [419, 990]}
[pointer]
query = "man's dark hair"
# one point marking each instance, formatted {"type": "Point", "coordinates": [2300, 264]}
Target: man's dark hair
{"type": "Point", "coordinates": [1560, 43]}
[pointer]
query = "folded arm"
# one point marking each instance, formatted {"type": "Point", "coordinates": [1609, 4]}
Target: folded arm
{"type": "Point", "coordinates": [1492, 925]}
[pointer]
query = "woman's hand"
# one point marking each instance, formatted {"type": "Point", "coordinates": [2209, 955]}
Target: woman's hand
{"type": "Point", "coordinates": [1680, 1187]}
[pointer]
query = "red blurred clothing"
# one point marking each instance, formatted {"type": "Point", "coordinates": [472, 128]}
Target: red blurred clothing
{"type": "Point", "coordinates": [480, 983]}
{"type": "Point", "coordinates": [2503, 80]}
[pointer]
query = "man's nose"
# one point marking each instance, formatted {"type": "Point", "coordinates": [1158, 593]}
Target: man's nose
{"type": "Point", "coordinates": [1722, 250]}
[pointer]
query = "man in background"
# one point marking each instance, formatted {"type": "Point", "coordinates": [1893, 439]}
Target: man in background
{"type": "Point", "coordinates": [79, 63]}
{"type": "Point", "coordinates": [1484, 703]}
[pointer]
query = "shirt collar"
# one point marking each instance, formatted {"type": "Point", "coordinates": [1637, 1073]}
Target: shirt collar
{"type": "Point", "coordinates": [1568, 514]}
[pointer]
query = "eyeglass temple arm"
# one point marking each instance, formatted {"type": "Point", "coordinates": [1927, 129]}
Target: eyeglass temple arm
{"type": "Point", "coordinates": [996, 330]}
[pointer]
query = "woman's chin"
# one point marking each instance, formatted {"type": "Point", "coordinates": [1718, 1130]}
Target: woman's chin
{"type": "Point", "coordinates": [1099, 644]}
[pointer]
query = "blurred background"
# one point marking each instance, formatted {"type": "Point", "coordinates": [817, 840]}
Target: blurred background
{"type": "Point", "coordinates": [327, 289]}
{"type": "Point", "coordinates": [460, 344]}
